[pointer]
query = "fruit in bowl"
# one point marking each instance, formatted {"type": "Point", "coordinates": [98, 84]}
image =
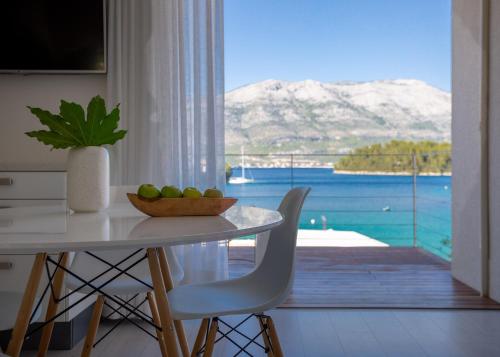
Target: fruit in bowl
{"type": "Point", "coordinates": [191, 192]}
{"type": "Point", "coordinates": [213, 193]}
{"type": "Point", "coordinates": [148, 190]}
{"type": "Point", "coordinates": [170, 201]}
{"type": "Point", "coordinates": [171, 192]}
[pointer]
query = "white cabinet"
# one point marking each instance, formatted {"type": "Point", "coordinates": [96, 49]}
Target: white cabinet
{"type": "Point", "coordinates": [29, 188]}
{"type": "Point", "coordinates": [32, 185]}
{"type": "Point", "coordinates": [14, 271]}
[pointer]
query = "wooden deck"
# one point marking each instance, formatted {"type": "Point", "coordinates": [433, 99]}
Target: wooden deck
{"type": "Point", "coordinates": [370, 278]}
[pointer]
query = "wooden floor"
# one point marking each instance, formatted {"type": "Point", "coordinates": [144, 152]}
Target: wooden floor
{"type": "Point", "coordinates": [370, 277]}
{"type": "Point", "coordinates": [340, 332]}
{"type": "Point", "coordinates": [354, 277]}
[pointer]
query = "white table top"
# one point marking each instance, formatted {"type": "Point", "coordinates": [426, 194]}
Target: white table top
{"type": "Point", "coordinates": [51, 229]}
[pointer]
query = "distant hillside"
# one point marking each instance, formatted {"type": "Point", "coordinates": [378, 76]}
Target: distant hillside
{"type": "Point", "coordinates": [430, 157]}
{"type": "Point", "coordinates": [314, 117]}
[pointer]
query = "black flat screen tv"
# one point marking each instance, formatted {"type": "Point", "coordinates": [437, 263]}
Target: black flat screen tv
{"type": "Point", "coordinates": [54, 36]}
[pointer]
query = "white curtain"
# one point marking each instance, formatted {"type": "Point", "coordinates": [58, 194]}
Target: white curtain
{"type": "Point", "coordinates": [165, 68]}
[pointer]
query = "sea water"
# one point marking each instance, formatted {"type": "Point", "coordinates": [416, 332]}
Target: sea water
{"type": "Point", "coordinates": [379, 206]}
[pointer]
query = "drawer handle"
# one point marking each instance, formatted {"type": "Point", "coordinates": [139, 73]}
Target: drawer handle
{"type": "Point", "coordinates": [6, 181]}
{"type": "Point", "coordinates": [5, 265]}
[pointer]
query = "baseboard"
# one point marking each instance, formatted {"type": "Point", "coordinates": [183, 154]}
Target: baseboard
{"type": "Point", "coordinates": [66, 335]}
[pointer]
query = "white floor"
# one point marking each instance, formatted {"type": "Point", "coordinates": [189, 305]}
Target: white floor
{"type": "Point", "coordinates": [344, 332]}
{"type": "Point", "coordinates": [324, 238]}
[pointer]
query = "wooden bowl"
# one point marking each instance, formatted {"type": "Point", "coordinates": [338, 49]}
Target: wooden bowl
{"type": "Point", "coordinates": [175, 207]}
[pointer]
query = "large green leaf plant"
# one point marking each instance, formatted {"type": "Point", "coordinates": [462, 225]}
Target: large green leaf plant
{"type": "Point", "coordinates": [71, 128]}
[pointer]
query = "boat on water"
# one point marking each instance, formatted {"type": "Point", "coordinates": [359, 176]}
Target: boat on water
{"type": "Point", "coordinates": [239, 180]}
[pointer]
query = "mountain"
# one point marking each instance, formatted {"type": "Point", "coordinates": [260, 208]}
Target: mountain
{"type": "Point", "coordinates": [314, 117]}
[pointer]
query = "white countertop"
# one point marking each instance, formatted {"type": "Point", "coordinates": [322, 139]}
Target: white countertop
{"type": "Point", "coordinates": [51, 229]}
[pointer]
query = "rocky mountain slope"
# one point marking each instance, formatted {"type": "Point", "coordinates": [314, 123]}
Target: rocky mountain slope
{"type": "Point", "coordinates": [314, 117]}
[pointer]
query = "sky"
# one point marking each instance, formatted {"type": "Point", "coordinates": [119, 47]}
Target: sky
{"type": "Point", "coordinates": [337, 40]}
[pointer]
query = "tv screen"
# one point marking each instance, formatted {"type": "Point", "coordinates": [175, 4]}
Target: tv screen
{"type": "Point", "coordinates": [52, 36]}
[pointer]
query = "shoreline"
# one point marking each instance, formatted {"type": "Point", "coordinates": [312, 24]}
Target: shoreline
{"type": "Point", "coordinates": [357, 172]}
{"type": "Point", "coordinates": [389, 173]}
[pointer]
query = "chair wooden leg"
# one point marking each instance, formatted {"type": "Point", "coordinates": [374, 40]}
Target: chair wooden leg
{"type": "Point", "coordinates": [92, 329]}
{"type": "Point", "coordinates": [181, 337]}
{"type": "Point", "coordinates": [278, 352]}
{"type": "Point", "coordinates": [156, 320]}
{"type": "Point", "coordinates": [169, 285]}
{"type": "Point", "coordinates": [167, 323]}
{"type": "Point", "coordinates": [200, 338]}
{"type": "Point", "coordinates": [265, 335]}
{"type": "Point", "coordinates": [212, 334]}
{"type": "Point", "coordinates": [53, 305]}
{"type": "Point", "coordinates": [26, 307]}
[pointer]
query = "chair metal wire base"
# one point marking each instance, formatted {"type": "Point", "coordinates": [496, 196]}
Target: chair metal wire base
{"type": "Point", "coordinates": [131, 310]}
{"type": "Point", "coordinates": [264, 331]}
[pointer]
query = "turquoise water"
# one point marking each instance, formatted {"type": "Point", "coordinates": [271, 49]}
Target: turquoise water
{"type": "Point", "coordinates": [378, 206]}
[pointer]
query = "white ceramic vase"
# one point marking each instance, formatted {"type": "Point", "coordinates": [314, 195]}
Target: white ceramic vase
{"type": "Point", "coordinates": [88, 179]}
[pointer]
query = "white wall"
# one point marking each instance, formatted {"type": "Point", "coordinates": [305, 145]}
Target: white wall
{"type": "Point", "coordinates": [18, 91]}
{"type": "Point", "coordinates": [467, 137]}
{"type": "Point", "coordinates": [494, 154]}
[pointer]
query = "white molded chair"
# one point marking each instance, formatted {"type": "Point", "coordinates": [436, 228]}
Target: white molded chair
{"type": "Point", "coordinates": [126, 289]}
{"type": "Point", "coordinates": [266, 287]}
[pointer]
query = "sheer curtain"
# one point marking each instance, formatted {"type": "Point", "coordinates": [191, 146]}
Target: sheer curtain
{"type": "Point", "coordinates": [165, 68]}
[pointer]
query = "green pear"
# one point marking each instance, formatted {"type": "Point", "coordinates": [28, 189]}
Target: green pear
{"type": "Point", "coordinates": [148, 190]}
{"type": "Point", "coordinates": [213, 193]}
{"type": "Point", "coordinates": [171, 192]}
{"type": "Point", "coordinates": [191, 192]}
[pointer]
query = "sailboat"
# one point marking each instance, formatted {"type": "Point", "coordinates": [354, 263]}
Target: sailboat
{"type": "Point", "coordinates": [238, 180]}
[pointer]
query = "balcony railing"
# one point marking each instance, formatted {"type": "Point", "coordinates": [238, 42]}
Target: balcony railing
{"type": "Point", "coordinates": [400, 199]}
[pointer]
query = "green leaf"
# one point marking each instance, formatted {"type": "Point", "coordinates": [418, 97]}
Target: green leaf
{"type": "Point", "coordinates": [110, 122]}
{"type": "Point", "coordinates": [56, 123]}
{"type": "Point", "coordinates": [56, 140]}
{"type": "Point", "coordinates": [71, 128]}
{"type": "Point", "coordinates": [96, 113]}
{"type": "Point", "coordinates": [106, 133]}
{"type": "Point", "coordinates": [107, 127]}
{"type": "Point", "coordinates": [111, 138]}
{"type": "Point", "coordinates": [73, 114]}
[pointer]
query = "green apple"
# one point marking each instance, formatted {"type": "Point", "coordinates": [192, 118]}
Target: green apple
{"type": "Point", "coordinates": [213, 193]}
{"type": "Point", "coordinates": [191, 192]}
{"type": "Point", "coordinates": [148, 190]}
{"type": "Point", "coordinates": [171, 192]}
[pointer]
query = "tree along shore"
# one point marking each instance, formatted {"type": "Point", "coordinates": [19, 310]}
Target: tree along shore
{"type": "Point", "coordinates": [398, 157]}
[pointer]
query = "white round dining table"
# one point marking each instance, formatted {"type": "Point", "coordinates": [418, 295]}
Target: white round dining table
{"type": "Point", "coordinates": [47, 230]}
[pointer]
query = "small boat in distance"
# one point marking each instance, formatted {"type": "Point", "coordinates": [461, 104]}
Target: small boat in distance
{"type": "Point", "coordinates": [386, 209]}
{"type": "Point", "coordinates": [239, 180]}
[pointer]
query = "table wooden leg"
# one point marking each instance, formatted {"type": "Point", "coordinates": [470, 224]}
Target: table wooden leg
{"type": "Point", "coordinates": [26, 308]}
{"type": "Point", "coordinates": [169, 284]}
{"type": "Point", "coordinates": [53, 305]}
{"type": "Point", "coordinates": [93, 327]}
{"type": "Point", "coordinates": [156, 320]}
{"type": "Point", "coordinates": [167, 323]}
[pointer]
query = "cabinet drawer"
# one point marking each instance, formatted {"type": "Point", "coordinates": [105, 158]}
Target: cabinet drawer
{"type": "Point", "coordinates": [32, 185]}
{"type": "Point", "coordinates": [14, 271]}
{"type": "Point", "coordinates": [30, 203]}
